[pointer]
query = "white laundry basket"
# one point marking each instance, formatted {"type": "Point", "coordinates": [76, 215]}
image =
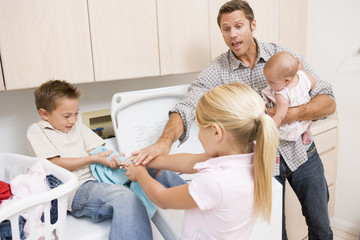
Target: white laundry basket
{"type": "Point", "coordinates": [11, 165]}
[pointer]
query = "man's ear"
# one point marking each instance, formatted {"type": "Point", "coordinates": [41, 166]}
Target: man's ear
{"type": "Point", "coordinates": [253, 25]}
{"type": "Point", "coordinates": [43, 113]}
{"type": "Point", "coordinates": [218, 132]}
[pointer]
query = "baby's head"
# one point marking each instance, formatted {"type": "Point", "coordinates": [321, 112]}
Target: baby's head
{"type": "Point", "coordinates": [280, 70]}
{"type": "Point", "coordinates": [234, 107]}
{"type": "Point", "coordinates": [58, 103]}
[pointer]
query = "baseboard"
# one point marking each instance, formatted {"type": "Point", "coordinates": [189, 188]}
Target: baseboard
{"type": "Point", "coordinates": [345, 226]}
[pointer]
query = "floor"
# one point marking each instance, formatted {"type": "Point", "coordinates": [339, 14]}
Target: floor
{"type": "Point", "coordinates": [340, 235]}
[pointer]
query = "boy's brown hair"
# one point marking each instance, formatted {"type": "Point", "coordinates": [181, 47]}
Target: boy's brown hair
{"type": "Point", "coordinates": [48, 93]}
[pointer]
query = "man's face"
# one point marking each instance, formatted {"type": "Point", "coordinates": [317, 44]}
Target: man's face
{"type": "Point", "coordinates": [237, 32]}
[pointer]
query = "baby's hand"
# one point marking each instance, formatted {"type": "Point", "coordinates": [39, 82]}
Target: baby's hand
{"type": "Point", "coordinates": [133, 171]}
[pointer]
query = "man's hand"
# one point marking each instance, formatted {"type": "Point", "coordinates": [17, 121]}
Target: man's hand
{"type": "Point", "coordinates": [144, 156]}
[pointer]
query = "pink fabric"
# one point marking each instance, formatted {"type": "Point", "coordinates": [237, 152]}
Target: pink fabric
{"type": "Point", "coordinates": [223, 190]}
{"type": "Point", "coordinates": [25, 185]}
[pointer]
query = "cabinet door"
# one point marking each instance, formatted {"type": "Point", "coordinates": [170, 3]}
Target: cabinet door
{"type": "Point", "coordinates": [293, 24]}
{"type": "Point", "coordinates": [2, 87]}
{"type": "Point", "coordinates": [44, 39]}
{"type": "Point", "coordinates": [217, 43]}
{"type": "Point", "coordinates": [267, 20]}
{"type": "Point", "coordinates": [124, 39]}
{"type": "Point", "coordinates": [183, 36]}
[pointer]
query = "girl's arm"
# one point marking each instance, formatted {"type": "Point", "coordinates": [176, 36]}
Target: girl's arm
{"type": "Point", "coordinates": [181, 162]}
{"type": "Point", "coordinates": [72, 164]}
{"type": "Point", "coordinates": [281, 108]}
{"type": "Point", "coordinates": [174, 198]}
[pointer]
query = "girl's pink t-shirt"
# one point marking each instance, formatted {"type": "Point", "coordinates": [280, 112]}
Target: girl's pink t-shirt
{"type": "Point", "coordinates": [224, 191]}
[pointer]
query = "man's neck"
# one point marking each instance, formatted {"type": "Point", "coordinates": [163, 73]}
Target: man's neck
{"type": "Point", "coordinates": [249, 58]}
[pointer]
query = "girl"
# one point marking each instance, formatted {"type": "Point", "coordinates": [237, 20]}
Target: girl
{"type": "Point", "coordinates": [233, 184]}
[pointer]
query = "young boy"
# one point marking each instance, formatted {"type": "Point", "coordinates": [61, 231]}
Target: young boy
{"type": "Point", "coordinates": [60, 138]}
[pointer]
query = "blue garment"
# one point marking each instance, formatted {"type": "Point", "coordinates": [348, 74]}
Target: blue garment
{"type": "Point", "coordinates": [118, 176]}
{"type": "Point", "coordinates": [309, 184]}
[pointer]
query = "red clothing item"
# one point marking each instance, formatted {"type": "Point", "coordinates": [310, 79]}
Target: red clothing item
{"type": "Point", "coordinates": [5, 191]}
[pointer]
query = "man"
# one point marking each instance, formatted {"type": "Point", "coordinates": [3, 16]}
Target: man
{"type": "Point", "coordinates": [244, 62]}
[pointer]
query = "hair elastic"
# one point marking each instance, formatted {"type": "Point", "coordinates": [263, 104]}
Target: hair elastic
{"type": "Point", "coordinates": [259, 116]}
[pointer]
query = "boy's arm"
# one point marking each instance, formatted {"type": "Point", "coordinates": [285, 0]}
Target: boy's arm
{"type": "Point", "coordinates": [72, 164]}
{"type": "Point", "coordinates": [280, 109]}
{"type": "Point", "coordinates": [175, 198]}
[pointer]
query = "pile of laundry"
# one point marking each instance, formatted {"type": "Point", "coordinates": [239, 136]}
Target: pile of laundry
{"type": "Point", "coordinates": [25, 185]}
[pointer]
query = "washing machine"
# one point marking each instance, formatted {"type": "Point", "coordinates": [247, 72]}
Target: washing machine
{"type": "Point", "coordinates": [138, 119]}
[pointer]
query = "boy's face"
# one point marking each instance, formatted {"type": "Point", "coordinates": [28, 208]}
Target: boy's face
{"type": "Point", "coordinates": [64, 116]}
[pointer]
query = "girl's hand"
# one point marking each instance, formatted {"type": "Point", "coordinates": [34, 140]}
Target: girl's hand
{"type": "Point", "coordinates": [132, 171]}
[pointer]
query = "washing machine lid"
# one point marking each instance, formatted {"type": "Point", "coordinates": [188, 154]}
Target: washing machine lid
{"type": "Point", "coordinates": [139, 118]}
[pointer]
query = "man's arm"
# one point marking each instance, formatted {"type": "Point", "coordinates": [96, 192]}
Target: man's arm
{"type": "Point", "coordinates": [318, 107]}
{"type": "Point", "coordinates": [173, 130]}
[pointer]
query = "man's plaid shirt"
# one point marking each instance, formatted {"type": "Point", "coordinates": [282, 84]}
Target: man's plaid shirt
{"type": "Point", "coordinates": [225, 69]}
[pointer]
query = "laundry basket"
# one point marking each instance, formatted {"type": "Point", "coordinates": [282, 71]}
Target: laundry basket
{"type": "Point", "coordinates": [11, 165]}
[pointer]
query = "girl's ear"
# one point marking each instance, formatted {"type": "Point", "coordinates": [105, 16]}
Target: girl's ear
{"type": "Point", "coordinates": [218, 132]}
{"type": "Point", "coordinates": [44, 114]}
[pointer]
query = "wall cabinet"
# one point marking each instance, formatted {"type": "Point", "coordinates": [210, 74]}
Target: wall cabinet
{"type": "Point", "coordinates": [42, 40]}
{"type": "Point", "coordinates": [2, 87]}
{"type": "Point", "coordinates": [87, 41]}
{"type": "Point", "coordinates": [326, 139]}
{"type": "Point", "coordinates": [183, 36]}
{"type": "Point", "coordinates": [124, 39]}
{"type": "Point", "coordinates": [293, 24]}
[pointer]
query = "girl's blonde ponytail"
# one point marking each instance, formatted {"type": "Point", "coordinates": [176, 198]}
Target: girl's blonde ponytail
{"type": "Point", "coordinates": [264, 156]}
{"type": "Point", "coordinates": [240, 110]}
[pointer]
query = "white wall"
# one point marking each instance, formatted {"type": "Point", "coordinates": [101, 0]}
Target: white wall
{"type": "Point", "coordinates": [334, 35]}
{"type": "Point", "coordinates": [18, 111]}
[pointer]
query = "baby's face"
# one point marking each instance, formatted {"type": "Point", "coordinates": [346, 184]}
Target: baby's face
{"type": "Point", "coordinates": [65, 115]}
{"type": "Point", "coordinates": [276, 82]}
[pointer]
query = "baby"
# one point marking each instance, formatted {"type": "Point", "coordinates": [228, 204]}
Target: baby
{"type": "Point", "coordinates": [288, 87]}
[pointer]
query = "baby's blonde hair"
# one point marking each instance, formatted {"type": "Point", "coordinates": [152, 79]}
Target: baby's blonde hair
{"type": "Point", "coordinates": [240, 110]}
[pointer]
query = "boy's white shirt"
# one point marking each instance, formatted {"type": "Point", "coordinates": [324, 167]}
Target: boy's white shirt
{"type": "Point", "coordinates": [45, 141]}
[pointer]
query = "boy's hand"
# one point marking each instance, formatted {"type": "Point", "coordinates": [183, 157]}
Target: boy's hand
{"type": "Point", "coordinates": [132, 171]}
{"type": "Point", "coordinates": [103, 158]}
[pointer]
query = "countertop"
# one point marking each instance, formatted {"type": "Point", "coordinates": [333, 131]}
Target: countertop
{"type": "Point", "coordinates": [324, 125]}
